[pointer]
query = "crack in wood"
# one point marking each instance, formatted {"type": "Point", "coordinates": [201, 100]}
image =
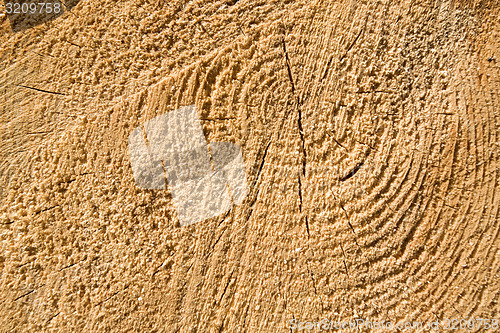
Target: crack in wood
{"type": "Point", "coordinates": [113, 295]}
{"type": "Point", "coordinates": [351, 46]}
{"type": "Point", "coordinates": [225, 289]}
{"type": "Point", "coordinates": [287, 62]}
{"type": "Point", "coordinates": [352, 172]}
{"type": "Point", "coordinates": [46, 209]}
{"type": "Point", "coordinates": [28, 293]}
{"type": "Point", "coordinates": [48, 321]}
{"type": "Point", "coordinates": [262, 163]}
{"type": "Point", "coordinates": [40, 90]}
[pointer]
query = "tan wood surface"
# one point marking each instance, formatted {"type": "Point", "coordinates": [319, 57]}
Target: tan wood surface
{"type": "Point", "coordinates": [370, 132]}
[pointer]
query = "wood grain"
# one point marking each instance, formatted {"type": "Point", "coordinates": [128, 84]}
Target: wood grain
{"type": "Point", "coordinates": [370, 133]}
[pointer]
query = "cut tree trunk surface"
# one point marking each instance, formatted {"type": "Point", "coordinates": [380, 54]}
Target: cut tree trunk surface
{"type": "Point", "coordinates": [370, 133]}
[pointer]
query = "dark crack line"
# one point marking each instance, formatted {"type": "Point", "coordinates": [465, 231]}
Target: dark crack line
{"type": "Point", "coordinates": [348, 220]}
{"type": "Point", "coordinates": [218, 239]}
{"type": "Point", "coordinates": [114, 294]}
{"type": "Point", "coordinates": [352, 172]}
{"type": "Point", "coordinates": [224, 218]}
{"type": "Point", "coordinates": [36, 133]}
{"type": "Point", "coordinates": [349, 223]}
{"type": "Point", "coordinates": [28, 293]}
{"type": "Point", "coordinates": [435, 314]}
{"type": "Point", "coordinates": [287, 62]}
{"type": "Point", "coordinates": [72, 180]}
{"type": "Point", "coordinates": [212, 247]}
{"type": "Point", "coordinates": [315, 288]}
{"type": "Point", "coordinates": [221, 327]}
{"type": "Point", "coordinates": [67, 41]}
{"type": "Point", "coordinates": [329, 63]}
{"type": "Point", "coordinates": [336, 141]}
{"type": "Point", "coordinates": [325, 73]}
{"type": "Point", "coordinates": [351, 46]}
{"type": "Point", "coordinates": [374, 91]}
{"type": "Point", "coordinates": [262, 163]}
{"type": "Point", "coordinates": [245, 316]}
{"type": "Point", "coordinates": [46, 209]}
{"type": "Point", "coordinates": [189, 268]}
{"type": "Point", "coordinates": [48, 321]}
{"type": "Point", "coordinates": [26, 263]}
{"type": "Point", "coordinates": [158, 269]}
{"type": "Point", "coordinates": [345, 212]}
{"type": "Point", "coordinates": [304, 161]}
{"type": "Point", "coordinates": [76, 263]}
{"type": "Point", "coordinates": [42, 55]}
{"type": "Point", "coordinates": [366, 144]}
{"type": "Point", "coordinates": [301, 133]}
{"type": "Point", "coordinates": [300, 194]}
{"type": "Point", "coordinates": [307, 227]}
{"type": "Point", "coordinates": [217, 119]}
{"type": "Point", "coordinates": [252, 206]}
{"type": "Point", "coordinates": [40, 90]}
{"type": "Point", "coordinates": [455, 208]}
{"type": "Point", "coordinates": [68, 266]}
{"type": "Point", "coordinates": [225, 288]}
{"type": "Point", "coordinates": [24, 295]}
{"type": "Point", "coordinates": [301, 130]}
{"type": "Point", "coordinates": [314, 281]}
{"type": "Point", "coordinates": [300, 207]}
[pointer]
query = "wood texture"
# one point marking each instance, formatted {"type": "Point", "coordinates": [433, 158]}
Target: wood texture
{"type": "Point", "coordinates": [371, 137]}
